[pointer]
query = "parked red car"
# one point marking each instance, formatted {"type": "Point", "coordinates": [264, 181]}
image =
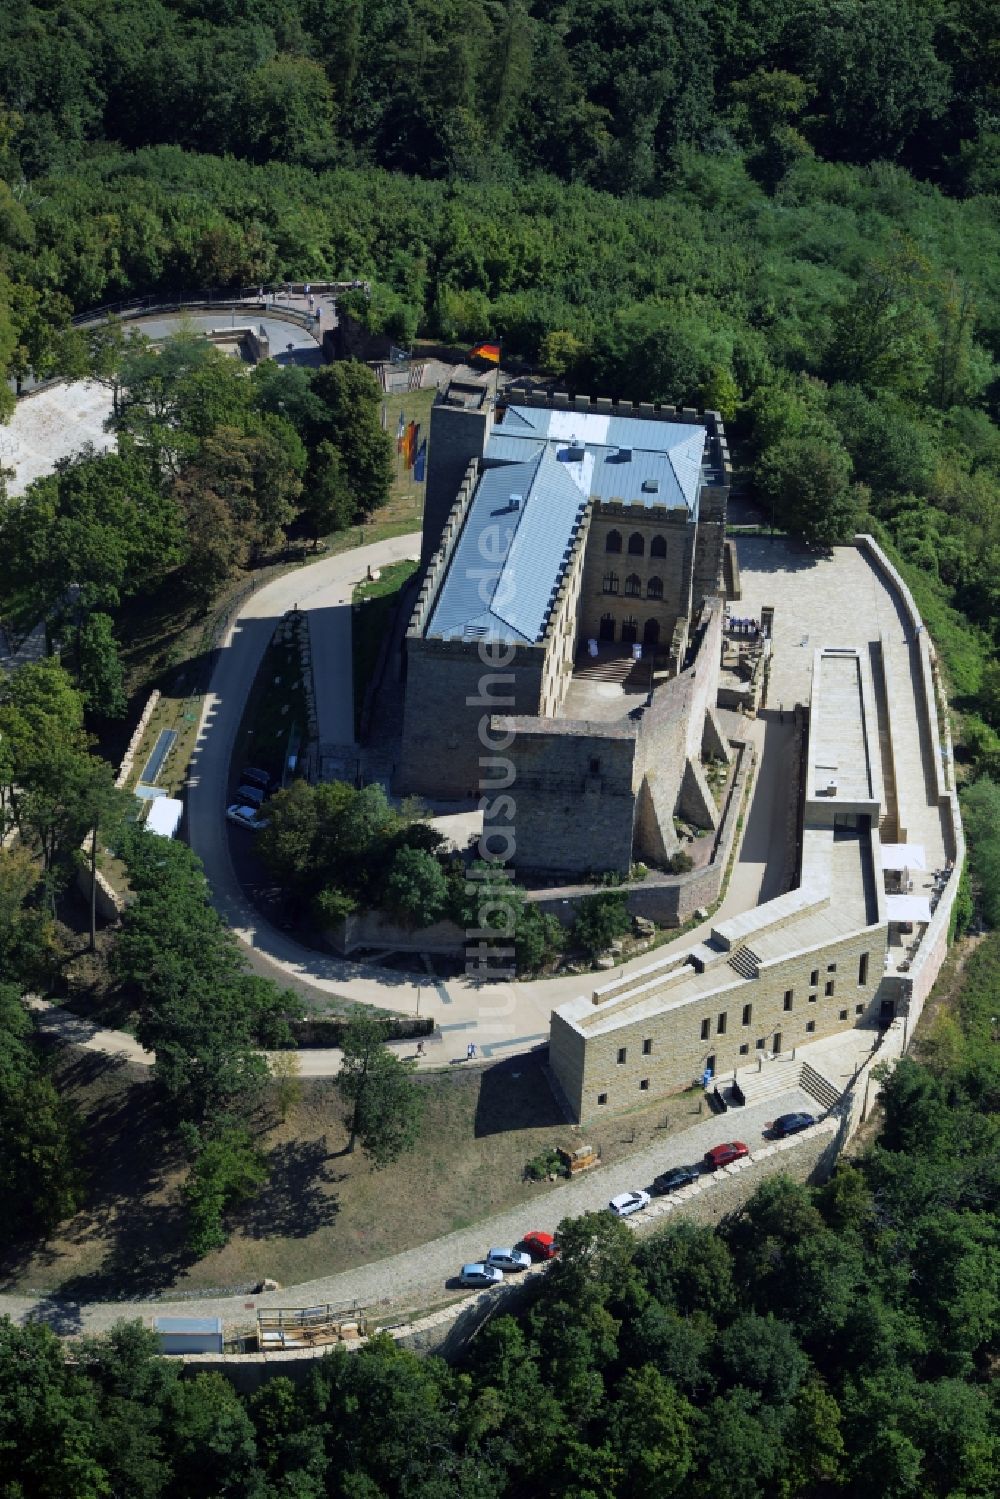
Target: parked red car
{"type": "Point", "coordinates": [540, 1245]}
{"type": "Point", "coordinates": [721, 1155]}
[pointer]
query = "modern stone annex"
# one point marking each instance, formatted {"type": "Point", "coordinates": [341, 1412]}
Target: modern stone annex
{"type": "Point", "coordinates": [577, 548]}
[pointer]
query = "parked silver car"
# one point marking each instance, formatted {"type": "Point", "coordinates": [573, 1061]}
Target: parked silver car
{"type": "Point", "coordinates": [480, 1275]}
{"type": "Point", "coordinates": [508, 1259]}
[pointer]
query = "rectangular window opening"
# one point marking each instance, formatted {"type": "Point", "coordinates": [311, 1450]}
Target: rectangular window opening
{"type": "Point", "coordinates": [814, 977]}
{"type": "Point", "coordinates": [747, 1014]}
{"type": "Point", "coordinates": [828, 987]}
{"type": "Point", "coordinates": [720, 1025]}
{"type": "Point", "coordinates": [810, 1026]}
{"type": "Point", "coordinates": [647, 1047]}
{"type": "Point", "coordinates": [789, 998]}
{"type": "Point", "coordinates": [644, 1085]}
{"type": "Point", "coordinates": [602, 1099]}
{"type": "Point", "coordinates": [863, 968]}
{"type": "Point", "coordinates": [622, 1054]}
{"type": "Point", "coordinates": [706, 1029]}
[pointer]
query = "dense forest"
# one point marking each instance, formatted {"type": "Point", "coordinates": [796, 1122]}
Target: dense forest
{"type": "Point", "coordinates": [788, 212]}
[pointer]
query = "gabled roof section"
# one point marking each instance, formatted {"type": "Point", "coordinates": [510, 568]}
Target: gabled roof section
{"type": "Point", "coordinates": [515, 545]}
{"type": "Point", "coordinates": [632, 459]}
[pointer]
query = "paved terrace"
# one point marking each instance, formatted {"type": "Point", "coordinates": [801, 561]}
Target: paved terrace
{"type": "Point", "coordinates": [841, 599]}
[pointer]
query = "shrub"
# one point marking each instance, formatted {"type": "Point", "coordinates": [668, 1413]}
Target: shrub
{"type": "Point", "coordinates": [546, 1163]}
{"type": "Point", "coordinates": [600, 919]}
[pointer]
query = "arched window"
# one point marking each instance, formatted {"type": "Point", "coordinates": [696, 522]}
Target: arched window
{"type": "Point", "coordinates": [636, 544]}
{"type": "Point", "coordinates": [607, 630]}
{"type": "Point", "coordinates": [633, 586]}
{"type": "Point", "coordinates": [614, 542]}
{"type": "Point", "coordinates": [658, 546]}
{"type": "Point", "coordinates": [654, 588]}
{"type": "Point", "coordinates": [651, 632]}
{"type": "Point", "coordinates": [610, 582]}
{"type": "Point", "coordinates": [630, 630]}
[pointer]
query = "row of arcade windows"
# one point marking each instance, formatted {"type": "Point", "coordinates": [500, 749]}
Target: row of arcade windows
{"type": "Point", "coordinates": [636, 544]}
{"type": "Point", "coordinates": [633, 586]}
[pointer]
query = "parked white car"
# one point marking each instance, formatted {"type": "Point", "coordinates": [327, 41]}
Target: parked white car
{"type": "Point", "coordinates": [627, 1203]}
{"type": "Point", "coordinates": [246, 817]}
{"type": "Point", "coordinates": [508, 1259]}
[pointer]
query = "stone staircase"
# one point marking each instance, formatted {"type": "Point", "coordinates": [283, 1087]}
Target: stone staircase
{"type": "Point", "coordinates": [779, 1075]}
{"type": "Point", "coordinates": [819, 1087]}
{"type": "Point", "coordinates": [744, 961]}
{"type": "Point", "coordinates": [615, 669]}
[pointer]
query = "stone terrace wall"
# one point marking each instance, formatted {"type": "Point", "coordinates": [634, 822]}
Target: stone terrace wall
{"type": "Point", "coordinates": [933, 948]}
{"type": "Point", "coordinates": [930, 955]}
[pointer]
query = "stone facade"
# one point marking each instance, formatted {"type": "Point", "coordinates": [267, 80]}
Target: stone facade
{"type": "Point", "coordinates": [638, 576]}
{"type": "Point", "coordinates": [606, 1067]}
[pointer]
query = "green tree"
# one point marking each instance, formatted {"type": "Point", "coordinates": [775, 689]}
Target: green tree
{"type": "Point", "coordinates": [600, 920]}
{"type": "Point", "coordinates": [39, 1172]}
{"type": "Point", "coordinates": [328, 500]}
{"type": "Point", "coordinates": [201, 1013]}
{"type": "Point", "coordinates": [353, 400]}
{"type": "Point", "coordinates": [384, 1105]}
{"type": "Point", "coordinates": [806, 482]}
{"type": "Point", "coordinates": [651, 1429]}
{"type": "Point", "coordinates": [226, 1168]}
{"type": "Point", "coordinates": [102, 680]}
{"type": "Point", "coordinates": [416, 889]}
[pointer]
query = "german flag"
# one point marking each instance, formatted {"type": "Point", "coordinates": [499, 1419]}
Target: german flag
{"type": "Point", "coordinates": [489, 352]}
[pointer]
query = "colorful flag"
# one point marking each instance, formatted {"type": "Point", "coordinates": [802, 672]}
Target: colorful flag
{"type": "Point", "coordinates": [488, 351]}
{"type": "Point", "coordinates": [409, 444]}
{"type": "Point", "coordinates": [420, 463]}
{"type": "Point", "coordinates": [400, 433]}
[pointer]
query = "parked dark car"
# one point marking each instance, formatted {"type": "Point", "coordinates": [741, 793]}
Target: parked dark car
{"type": "Point", "coordinates": [251, 776]}
{"type": "Point", "coordinates": [674, 1179]}
{"type": "Point", "coordinates": [791, 1124]}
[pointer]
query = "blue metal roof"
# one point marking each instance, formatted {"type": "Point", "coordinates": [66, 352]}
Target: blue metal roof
{"type": "Point", "coordinates": [634, 460]}
{"type": "Point", "coordinates": [197, 1326]}
{"type": "Point", "coordinates": [507, 563]}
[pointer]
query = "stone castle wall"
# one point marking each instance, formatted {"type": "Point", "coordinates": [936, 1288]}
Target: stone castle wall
{"type": "Point", "coordinates": [572, 795]}
{"type": "Point", "coordinates": [458, 437]}
{"type": "Point", "coordinates": [452, 691]}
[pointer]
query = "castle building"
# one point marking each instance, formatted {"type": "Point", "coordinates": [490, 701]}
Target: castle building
{"type": "Point", "coordinates": [558, 533]}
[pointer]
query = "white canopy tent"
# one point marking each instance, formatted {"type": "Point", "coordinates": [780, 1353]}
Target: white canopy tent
{"type": "Point", "coordinates": [908, 908]}
{"type": "Point", "coordinates": [164, 816]}
{"type": "Point", "coordinates": [903, 856]}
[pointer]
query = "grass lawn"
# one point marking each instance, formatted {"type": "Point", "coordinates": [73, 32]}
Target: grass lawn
{"type": "Point", "coordinates": [322, 1212]}
{"type": "Point", "coordinates": [377, 600]}
{"type": "Point", "coordinates": [404, 509]}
